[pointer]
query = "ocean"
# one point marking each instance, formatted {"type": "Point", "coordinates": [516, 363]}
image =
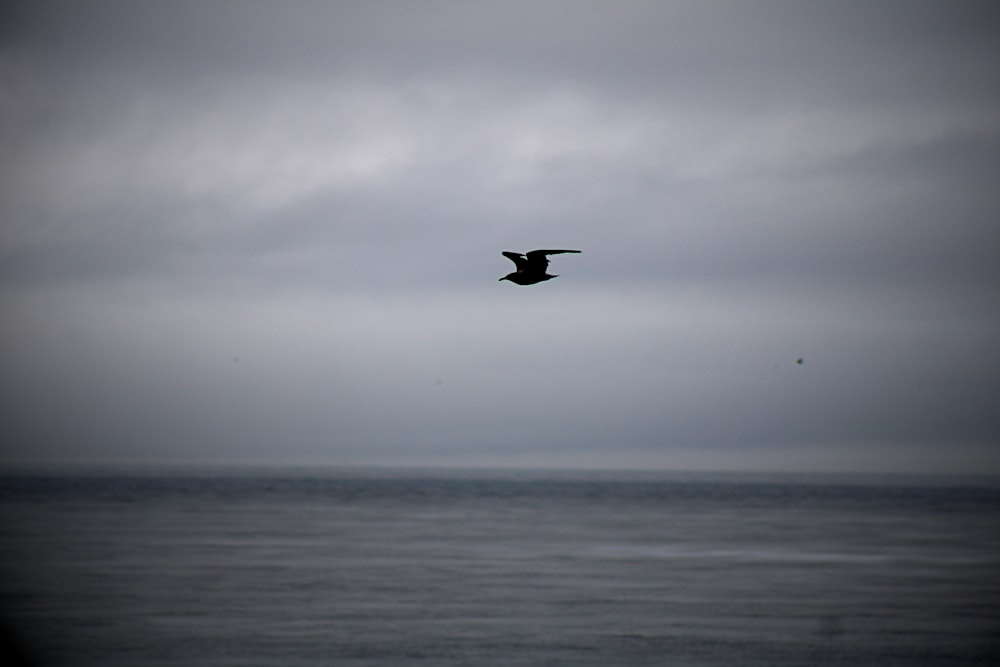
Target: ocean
{"type": "Point", "coordinates": [295, 567]}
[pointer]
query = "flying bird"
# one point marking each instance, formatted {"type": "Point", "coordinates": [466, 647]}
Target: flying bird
{"type": "Point", "coordinates": [531, 266]}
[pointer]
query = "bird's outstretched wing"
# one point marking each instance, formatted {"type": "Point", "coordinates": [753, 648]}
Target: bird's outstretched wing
{"type": "Point", "coordinates": [516, 257]}
{"type": "Point", "coordinates": [548, 252]}
{"type": "Point", "coordinates": [538, 257]}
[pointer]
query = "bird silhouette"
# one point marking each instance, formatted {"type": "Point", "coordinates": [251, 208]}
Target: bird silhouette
{"type": "Point", "coordinates": [531, 266]}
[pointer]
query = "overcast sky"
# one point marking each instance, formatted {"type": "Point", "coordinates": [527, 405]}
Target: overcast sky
{"type": "Point", "coordinates": [271, 233]}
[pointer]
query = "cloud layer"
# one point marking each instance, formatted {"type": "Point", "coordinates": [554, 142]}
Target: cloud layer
{"type": "Point", "coordinates": [243, 232]}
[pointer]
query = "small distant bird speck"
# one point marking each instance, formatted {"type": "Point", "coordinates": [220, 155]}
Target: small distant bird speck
{"type": "Point", "coordinates": [799, 360]}
{"type": "Point", "coordinates": [531, 266]}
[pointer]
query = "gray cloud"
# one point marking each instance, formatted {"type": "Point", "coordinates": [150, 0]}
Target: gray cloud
{"type": "Point", "coordinates": [243, 232]}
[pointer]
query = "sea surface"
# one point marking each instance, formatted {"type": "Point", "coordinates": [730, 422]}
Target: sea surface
{"type": "Point", "coordinates": [294, 567]}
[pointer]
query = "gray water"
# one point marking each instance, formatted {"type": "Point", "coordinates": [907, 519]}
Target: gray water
{"type": "Point", "coordinates": [374, 568]}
